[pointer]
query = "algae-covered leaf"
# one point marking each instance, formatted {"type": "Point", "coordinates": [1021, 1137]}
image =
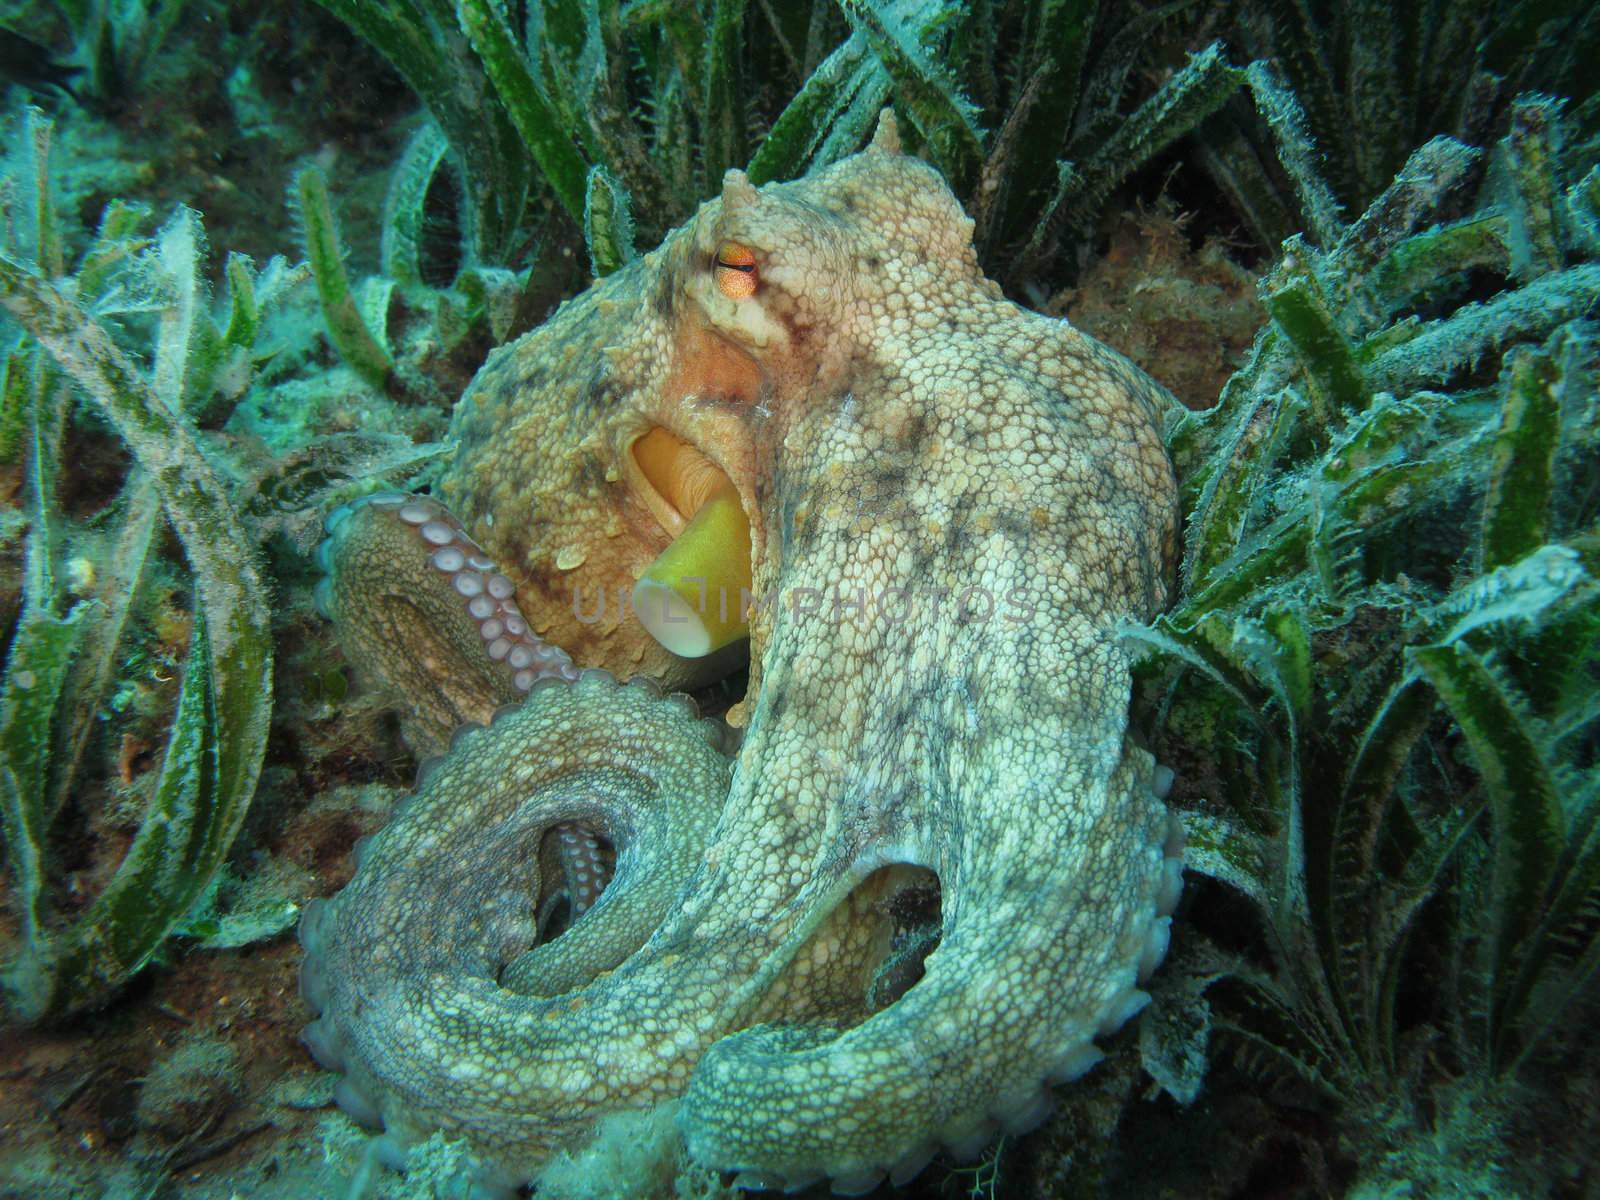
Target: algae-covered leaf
{"type": "Point", "coordinates": [1366, 920]}
{"type": "Point", "coordinates": [1297, 151]}
{"type": "Point", "coordinates": [16, 392]}
{"type": "Point", "coordinates": [180, 259]}
{"type": "Point", "coordinates": [405, 201]}
{"type": "Point", "coordinates": [1566, 960]}
{"type": "Point", "coordinates": [607, 223]}
{"type": "Point", "coordinates": [1424, 259]}
{"type": "Point", "coordinates": [1229, 853]}
{"type": "Point", "coordinates": [1278, 651]}
{"type": "Point", "coordinates": [167, 866]}
{"type": "Point", "coordinates": [1430, 181]}
{"type": "Point", "coordinates": [1528, 154]}
{"type": "Point", "coordinates": [1295, 300]}
{"type": "Point", "coordinates": [946, 119]}
{"type": "Point", "coordinates": [373, 296]}
{"type": "Point", "coordinates": [1207, 646]}
{"type": "Point", "coordinates": [30, 231]}
{"type": "Point", "coordinates": [45, 641]}
{"type": "Point", "coordinates": [1529, 830]}
{"type": "Point", "coordinates": [1381, 754]}
{"type": "Point", "coordinates": [721, 111]}
{"type": "Point", "coordinates": [1182, 102]}
{"type": "Point", "coordinates": [1234, 485]}
{"type": "Point", "coordinates": [816, 109]}
{"type": "Point", "coordinates": [328, 469]}
{"type": "Point", "coordinates": [42, 651]}
{"type": "Point", "coordinates": [1519, 594]}
{"type": "Point", "coordinates": [244, 311]}
{"type": "Point", "coordinates": [229, 682]}
{"type": "Point", "coordinates": [424, 41]}
{"type": "Point", "coordinates": [104, 622]}
{"type": "Point", "coordinates": [115, 243]}
{"type": "Point", "coordinates": [1276, 554]}
{"type": "Point", "coordinates": [855, 124]}
{"type": "Point", "coordinates": [535, 122]}
{"type": "Point", "coordinates": [1516, 505]}
{"type": "Point", "coordinates": [1455, 343]}
{"type": "Point", "coordinates": [347, 327]}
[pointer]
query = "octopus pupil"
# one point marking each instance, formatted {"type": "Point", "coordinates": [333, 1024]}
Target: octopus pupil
{"type": "Point", "coordinates": [747, 268]}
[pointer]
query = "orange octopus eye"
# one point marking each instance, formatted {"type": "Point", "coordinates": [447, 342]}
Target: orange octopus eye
{"type": "Point", "coordinates": [736, 271]}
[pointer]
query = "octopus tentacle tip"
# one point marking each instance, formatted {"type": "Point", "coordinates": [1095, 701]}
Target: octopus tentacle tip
{"type": "Point", "coordinates": [1076, 1063]}
{"type": "Point", "coordinates": [463, 734]}
{"type": "Point", "coordinates": [912, 1162]}
{"type": "Point", "coordinates": [716, 734]}
{"type": "Point", "coordinates": [857, 1183]}
{"type": "Point", "coordinates": [504, 711]}
{"type": "Point", "coordinates": [1157, 940]}
{"type": "Point", "coordinates": [323, 556]}
{"type": "Point", "coordinates": [596, 677]}
{"type": "Point", "coordinates": [313, 917]}
{"type": "Point", "coordinates": [426, 770]}
{"type": "Point", "coordinates": [338, 516]}
{"type": "Point", "coordinates": [1171, 886]}
{"type": "Point", "coordinates": [1172, 847]}
{"type": "Point", "coordinates": [732, 736]}
{"type": "Point", "coordinates": [312, 983]}
{"type": "Point", "coordinates": [1024, 1112]}
{"type": "Point", "coordinates": [392, 1153]}
{"type": "Point", "coordinates": [1161, 780]}
{"type": "Point", "coordinates": [1127, 1005]}
{"type": "Point", "coordinates": [761, 1181]}
{"type": "Point", "coordinates": [322, 596]}
{"type": "Point", "coordinates": [322, 1040]}
{"type": "Point", "coordinates": [356, 1105]}
{"type": "Point", "coordinates": [967, 1139]}
{"type": "Point", "coordinates": [684, 703]}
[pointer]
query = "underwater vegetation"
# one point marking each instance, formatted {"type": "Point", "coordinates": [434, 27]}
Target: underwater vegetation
{"type": "Point", "coordinates": [626, 115]}
{"type": "Point", "coordinates": [47, 708]}
{"type": "Point", "coordinates": [115, 41]}
{"type": "Point", "coordinates": [1371, 82]}
{"type": "Point", "coordinates": [1388, 638]}
{"type": "Point", "coordinates": [24, 61]}
{"type": "Point", "coordinates": [1378, 683]}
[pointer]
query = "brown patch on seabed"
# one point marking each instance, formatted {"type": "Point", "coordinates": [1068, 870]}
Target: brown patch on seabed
{"type": "Point", "coordinates": [68, 1096]}
{"type": "Point", "coordinates": [1186, 315]}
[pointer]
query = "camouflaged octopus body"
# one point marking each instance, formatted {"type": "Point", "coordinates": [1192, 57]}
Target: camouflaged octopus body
{"type": "Point", "coordinates": [952, 503]}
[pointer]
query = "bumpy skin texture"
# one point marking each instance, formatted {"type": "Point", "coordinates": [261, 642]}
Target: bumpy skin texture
{"type": "Point", "coordinates": [954, 502]}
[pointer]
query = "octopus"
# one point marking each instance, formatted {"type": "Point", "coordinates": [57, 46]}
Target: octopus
{"type": "Point", "coordinates": [892, 897]}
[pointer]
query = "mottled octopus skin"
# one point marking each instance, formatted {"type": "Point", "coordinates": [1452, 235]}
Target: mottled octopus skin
{"type": "Point", "coordinates": [890, 422]}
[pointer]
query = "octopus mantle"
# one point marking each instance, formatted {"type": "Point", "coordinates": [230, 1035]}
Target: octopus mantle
{"type": "Point", "coordinates": [933, 869]}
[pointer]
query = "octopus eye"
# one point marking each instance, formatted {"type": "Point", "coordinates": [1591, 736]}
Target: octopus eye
{"type": "Point", "coordinates": [736, 271]}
